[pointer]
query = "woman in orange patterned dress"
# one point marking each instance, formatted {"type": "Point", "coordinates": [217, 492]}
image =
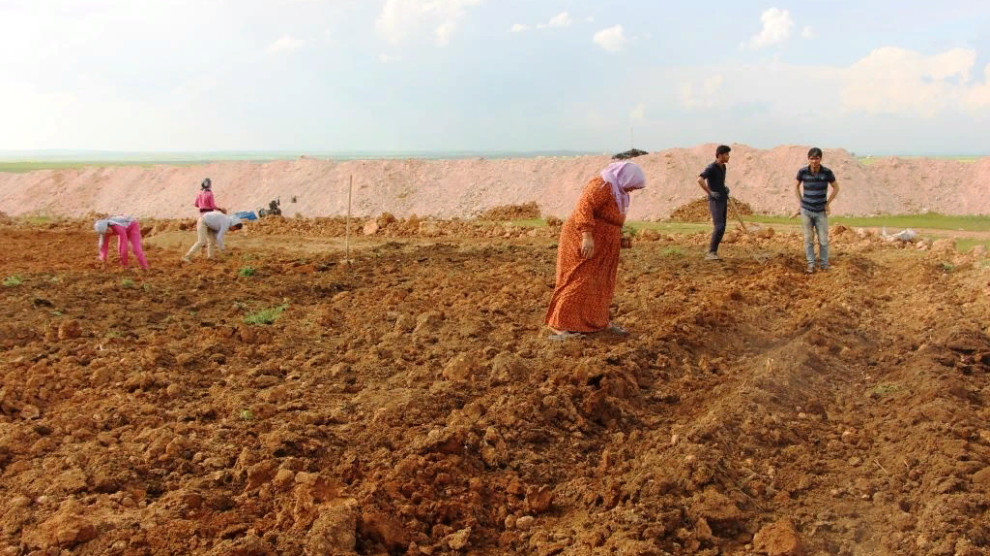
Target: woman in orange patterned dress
{"type": "Point", "coordinates": [588, 253]}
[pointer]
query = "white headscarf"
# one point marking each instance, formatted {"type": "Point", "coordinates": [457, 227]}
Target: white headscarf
{"type": "Point", "coordinates": [623, 177]}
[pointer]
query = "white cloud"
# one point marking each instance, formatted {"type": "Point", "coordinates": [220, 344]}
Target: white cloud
{"type": "Point", "coordinates": [519, 28]}
{"type": "Point", "coordinates": [611, 39]}
{"type": "Point", "coordinates": [401, 18]}
{"type": "Point", "coordinates": [707, 95]}
{"type": "Point", "coordinates": [560, 20]}
{"type": "Point", "coordinates": [638, 114]}
{"type": "Point", "coordinates": [777, 26]}
{"type": "Point", "coordinates": [386, 58]}
{"type": "Point", "coordinates": [893, 80]}
{"type": "Point", "coordinates": [808, 33]}
{"type": "Point", "coordinates": [285, 44]}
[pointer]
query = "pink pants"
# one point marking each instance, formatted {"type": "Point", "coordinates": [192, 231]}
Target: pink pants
{"type": "Point", "coordinates": [132, 234]}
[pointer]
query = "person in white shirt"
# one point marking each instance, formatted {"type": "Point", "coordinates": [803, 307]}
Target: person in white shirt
{"type": "Point", "coordinates": [210, 229]}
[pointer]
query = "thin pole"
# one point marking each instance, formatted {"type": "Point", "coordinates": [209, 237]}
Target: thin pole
{"type": "Point", "coordinates": [347, 229]}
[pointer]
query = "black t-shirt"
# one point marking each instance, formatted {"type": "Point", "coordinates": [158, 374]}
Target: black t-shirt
{"type": "Point", "coordinates": [715, 174]}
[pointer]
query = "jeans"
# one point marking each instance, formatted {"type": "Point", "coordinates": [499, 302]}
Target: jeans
{"type": "Point", "coordinates": [815, 221]}
{"type": "Point", "coordinates": [719, 209]}
{"type": "Point", "coordinates": [204, 236]}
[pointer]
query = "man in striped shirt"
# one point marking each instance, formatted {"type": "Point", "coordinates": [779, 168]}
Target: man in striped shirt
{"type": "Point", "coordinates": [815, 179]}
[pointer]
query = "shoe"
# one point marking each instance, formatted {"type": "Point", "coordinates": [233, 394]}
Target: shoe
{"type": "Point", "coordinates": [186, 260]}
{"type": "Point", "coordinates": [825, 268]}
{"type": "Point", "coordinates": [712, 257]}
{"type": "Point", "coordinates": [810, 269]}
{"type": "Point", "coordinates": [617, 330]}
{"type": "Point", "coordinates": [563, 336]}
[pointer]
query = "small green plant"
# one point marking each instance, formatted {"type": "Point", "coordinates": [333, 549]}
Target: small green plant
{"type": "Point", "coordinates": [55, 280]}
{"type": "Point", "coordinates": [629, 231]}
{"type": "Point", "coordinates": [266, 316]}
{"type": "Point", "coordinates": [247, 415]}
{"type": "Point", "coordinates": [127, 283]}
{"type": "Point", "coordinates": [672, 252]}
{"type": "Point", "coordinates": [947, 267]}
{"type": "Point", "coordinates": [12, 281]}
{"type": "Point", "coordinates": [246, 271]}
{"type": "Point", "coordinates": [882, 390]}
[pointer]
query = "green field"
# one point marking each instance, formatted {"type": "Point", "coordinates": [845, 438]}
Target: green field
{"type": "Point", "coordinates": [868, 160]}
{"type": "Point", "coordinates": [21, 167]}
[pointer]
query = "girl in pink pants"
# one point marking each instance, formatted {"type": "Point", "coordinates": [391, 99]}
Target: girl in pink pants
{"type": "Point", "coordinates": [128, 230]}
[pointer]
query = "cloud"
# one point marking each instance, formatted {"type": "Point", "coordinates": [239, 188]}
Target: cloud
{"type": "Point", "coordinates": [385, 58]}
{"type": "Point", "coordinates": [560, 20]}
{"type": "Point", "coordinates": [401, 18]}
{"type": "Point", "coordinates": [893, 80]}
{"type": "Point", "coordinates": [519, 28]}
{"type": "Point", "coordinates": [808, 33]}
{"type": "Point", "coordinates": [285, 44]}
{"type": "Point", "coordinates": [777, 26]}
{"type": "Point", "coordinates": [707, 95]}
{"type": "Point", "coordinates": [638, 114]}
{"type": "Point", "coordinates": [611, 39]}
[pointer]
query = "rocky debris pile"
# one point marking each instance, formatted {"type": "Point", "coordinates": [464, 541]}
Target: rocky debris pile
{"type": "Point", "coordinates": [512, 212]}
{"type": "Point", "coordinates": [697, 211]}
{"type": "Point", "coordinates": [626, 155]}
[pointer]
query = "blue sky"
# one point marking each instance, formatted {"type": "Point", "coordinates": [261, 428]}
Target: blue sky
{"type": "Point", "coordinates": [874, 77]}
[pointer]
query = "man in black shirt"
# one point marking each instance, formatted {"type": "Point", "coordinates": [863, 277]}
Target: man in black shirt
{"type": "Point", "coordinates": [712, 181]}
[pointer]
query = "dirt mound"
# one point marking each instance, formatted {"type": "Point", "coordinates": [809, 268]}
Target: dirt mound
{"type": "Point", "coordinates": [463, 188]}
{"type": "Point", "coordinates": [512, 212]}
{"type": "Point", "coordinates": [697, 211]}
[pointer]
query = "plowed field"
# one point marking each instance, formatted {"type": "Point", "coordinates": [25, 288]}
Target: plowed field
{"type": "Point", "coordinates": [410, 403]}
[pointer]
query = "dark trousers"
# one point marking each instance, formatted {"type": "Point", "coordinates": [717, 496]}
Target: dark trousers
{"type": "Point", "coordinates": [718, 209]}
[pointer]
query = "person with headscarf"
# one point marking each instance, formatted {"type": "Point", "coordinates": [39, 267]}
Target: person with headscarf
{"type": "Point", "coordinates": [205, 201]}
{"type": "Point", "coordinates": [210, 229]}
{"type": "Point", "coordinates": [127, 230]}
{"type": "Point", "coordinates": [588, 253]}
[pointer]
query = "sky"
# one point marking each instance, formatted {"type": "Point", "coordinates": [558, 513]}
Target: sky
{"type": "Point", "coordinates": [873, 77]}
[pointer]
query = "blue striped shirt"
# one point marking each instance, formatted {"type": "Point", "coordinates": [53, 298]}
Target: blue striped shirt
{"type": "Point", "coordinates": [815, 187]}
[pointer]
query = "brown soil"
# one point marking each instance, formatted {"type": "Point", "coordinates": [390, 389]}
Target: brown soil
{"type": "Point", "coordinates": [512, 212]}
{"type": "Point", "coordinates": [697, 211]}
{"type": "Point", "coordinates": [409, 402]}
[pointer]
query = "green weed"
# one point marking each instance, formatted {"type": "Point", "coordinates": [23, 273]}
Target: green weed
{"type": "Point", "coordinates": [947, 267]}
{"type": "Point", "coordinates": [127, 283]}
{"type": "Point", "coordinates": [672, 252]}
{"type": "Point", "coordinates": [266, 316]}
{"type": "Point", "coordinates": [12, 281]}
{"type": "Point", "coordinates": [246, 271]}
{"type": "Point", "coordinates": [882, 390]}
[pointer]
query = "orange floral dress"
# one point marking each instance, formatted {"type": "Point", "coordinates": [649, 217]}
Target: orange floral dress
{"type": "Point", "coordinates": [585, 287]}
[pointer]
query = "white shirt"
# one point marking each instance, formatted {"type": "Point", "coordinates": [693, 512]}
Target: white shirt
{"type": "Point", "coordinates": [219, 223]}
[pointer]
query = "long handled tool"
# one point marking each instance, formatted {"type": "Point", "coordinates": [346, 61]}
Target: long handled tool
{"type": "Point", "coordinates": [760, 257]}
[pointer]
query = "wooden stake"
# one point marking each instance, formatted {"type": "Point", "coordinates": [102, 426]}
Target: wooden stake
{"type": "Point", "coordinates": [347, 229]}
